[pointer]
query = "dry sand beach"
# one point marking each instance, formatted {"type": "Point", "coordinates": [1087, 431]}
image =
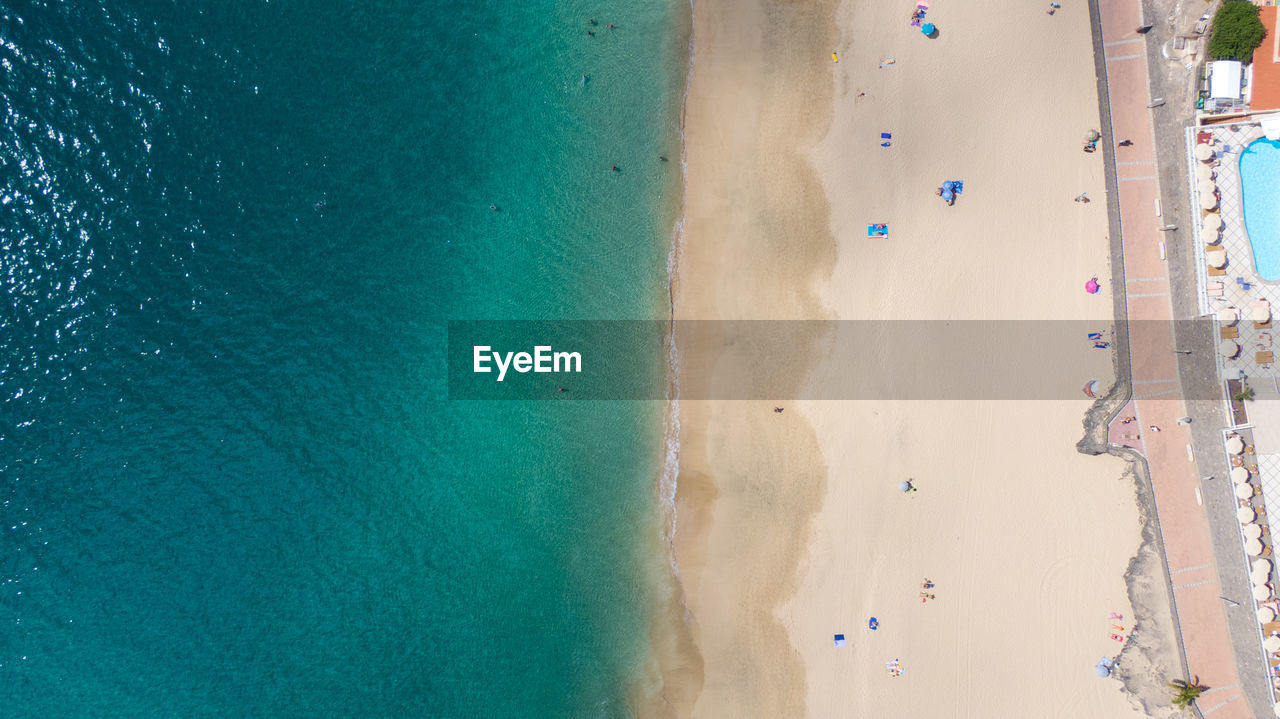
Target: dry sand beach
{"type": "Point", "coordinates": [790, 527]}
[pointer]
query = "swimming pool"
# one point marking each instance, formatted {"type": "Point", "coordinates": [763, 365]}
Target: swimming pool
{"type": "Point", "coordinates": [1259, 187]}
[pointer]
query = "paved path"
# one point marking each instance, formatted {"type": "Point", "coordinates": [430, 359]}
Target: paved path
{"type": "Point", "coordinates": [1184, 525]}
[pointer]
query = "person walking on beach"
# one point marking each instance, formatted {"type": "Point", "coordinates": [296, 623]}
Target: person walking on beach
{"type": "Point", "coordinates": [1126, 143]}
{"type": "Point", "coordinates": [1082, 197]}
{"type": "Point", "coordinates": [1154, 428]}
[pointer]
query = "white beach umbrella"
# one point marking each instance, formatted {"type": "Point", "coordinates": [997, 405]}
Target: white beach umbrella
{"type": "Point", "coordinates": [1228, 348]}
{"type": "Point", "coordinates": [1266, 614]}
{"type": "Point", "coordinates": [1261, 564]}
{"type": "Point", "coordinates": [1235, 445]}
{"type": "Point", "coordinates": [1254, 547]}
{"type": "Point", "coordinates": [1239, 474]}
{"type": "Point", "coordinates": [1246, 515]}
{"type": "Point", "coordinates": [1204, 153]}
{"type": "Point", "coordinates": [1212, 222]}
{"type": "Point", "coordinates": [1206, 187]}
{"type": "Point", "coordinates": [1260, 311]}
{"type": "Point", "coordinates": [1228, 315]}
{"type": "Point", "coordinates": [1244, 491]}
{"type": "Point", "coordinates": [1204, 172]}
{"type": "Point", "coordinates": [1259, 580]}
{"type": "Point", "coordinates": [1208, 202]}
{"type": "Point", "coordinates": [1253, 531]}
{"type": "Point", "coordinates": [1271, 643]}
{"type": "Point", "coordinates": [1217, 258]}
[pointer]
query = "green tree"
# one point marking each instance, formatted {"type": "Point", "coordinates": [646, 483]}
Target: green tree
{"type": "Point", "coordinates": [1237, 31]}
{"type": "Point", "coordinates": [1244, 395]}
{"type": "Point", "coordinates": [1187, 691]}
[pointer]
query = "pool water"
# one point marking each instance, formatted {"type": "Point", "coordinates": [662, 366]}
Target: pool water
{"type": "Point", "coordinates": [1259, 187]}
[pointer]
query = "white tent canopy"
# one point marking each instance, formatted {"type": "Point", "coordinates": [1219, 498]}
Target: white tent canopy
{"type": "Point", "coordinates": [1224, 79]}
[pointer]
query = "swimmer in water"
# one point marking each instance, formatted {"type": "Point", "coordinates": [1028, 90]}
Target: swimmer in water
{"type": "Point", "coordinates": [584, 79]}
{"type": "Point", "coordinates": [493, 207]}
{"type": "Point", "coordinates": [592, 21]}
{"type": "Point", "coordinates": [615, 168]}
{"type": "Point", "coordinates": [662, 157]}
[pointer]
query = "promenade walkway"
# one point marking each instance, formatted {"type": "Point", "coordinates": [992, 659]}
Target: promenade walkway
{"type": "Point", "coordinates": [1156, 388]}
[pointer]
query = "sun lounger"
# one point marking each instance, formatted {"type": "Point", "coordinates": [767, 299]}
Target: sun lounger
{"type": "Point", "coordinates": [1230, 333]}
{"type": "Point", "coordinates": [1263, 340]}
{"type": "Point", "coordinates": [1216, 272]}
{"type": "Point", "coordinates": [1264, 357]}
{"type": "Point", "coordinates": [1262, 325]}
{"type": "Point", "coordinates": [880, 230]}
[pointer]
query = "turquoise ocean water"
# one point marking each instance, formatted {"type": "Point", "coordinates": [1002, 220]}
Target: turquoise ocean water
{"type": "Point", "coordinates": [231, 236]}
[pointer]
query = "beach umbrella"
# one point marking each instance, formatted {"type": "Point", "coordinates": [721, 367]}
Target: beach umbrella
{"type": "Point", "coordinates": [1260, 311]}
{"type": "Point", "coordinates": [1254, 547]}
{"type": "Point", "coordinates": [1235, 445]}
{"type": "Point", "coordinates": [1206, 187]}
{"type": "Point", "coordinates": [1092, 136]}
{"type": "Point", "coordinates": [1228, 315]}
{"type": "Point", "coordinates": [1204, 153]}
{"type": "Point", "coordinates": [904, 486]}
{"type": "Point", "coordinates": [1212, 222]}
{"type": "Point", "coordinates": [1271, 643]}
{"type": "Point", "coordinates": [1091, 388]}
{"type": "Point", "coordinates": [948, 195]}
{"type": "Point", "coordinates": [1253, 531]}
{"type": "Point", "coordinates": [1208, 201]}
{"type": "Point", "coordinates": [1228, 348]}
{"type": "Point", "coordinates": [1259, 579]}
{"type": "Point", "coordinates": [949, 185]}
{"type": "Point", "coordinates": [1239, 474]}
{"type": "Point", "coordinates": [1244, 491]}
{"type": "Point", "coordinates": [927, 29]}
{"type": "Point", "coordinates": [1103, 667]}
{"type": "Point", "coordinates": [1246, 515]}
{"type": "Point", "coordinates": [1217, 258]}
{"type": "Point", "coordinates": [1204, 172]}
{"type": "Point", "coordinates": [1266, 614]}
{"type": "Point", "coordinates": [1261, 564]}
{"type": "Point", "coordinates": [1092, 286]}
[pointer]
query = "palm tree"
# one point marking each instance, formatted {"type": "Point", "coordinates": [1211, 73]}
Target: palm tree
{"type": "Point", "coordinates": [1187, 691]}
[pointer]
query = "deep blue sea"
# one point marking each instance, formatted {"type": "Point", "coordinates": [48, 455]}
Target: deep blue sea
{"type": "Point", "coordinates": [231, 234]}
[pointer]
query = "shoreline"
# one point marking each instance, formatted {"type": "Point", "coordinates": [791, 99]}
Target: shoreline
{"type": "Point", "coordinates": [703, 670]}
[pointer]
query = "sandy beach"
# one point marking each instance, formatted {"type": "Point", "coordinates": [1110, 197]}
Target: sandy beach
{"type": "Point", "coordinates": [790, 527]}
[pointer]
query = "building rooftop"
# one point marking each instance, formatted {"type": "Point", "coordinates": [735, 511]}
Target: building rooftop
{"type": "Point", "coordinates": [1266, 66]}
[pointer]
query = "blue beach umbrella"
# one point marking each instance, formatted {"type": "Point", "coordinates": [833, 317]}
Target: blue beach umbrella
{"type": "Point", "coordinates": [948, 185]}
{"type": "Point", "coordinates": [927, 28]}
{"type": "Point", "coordinates": [904, 486]}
